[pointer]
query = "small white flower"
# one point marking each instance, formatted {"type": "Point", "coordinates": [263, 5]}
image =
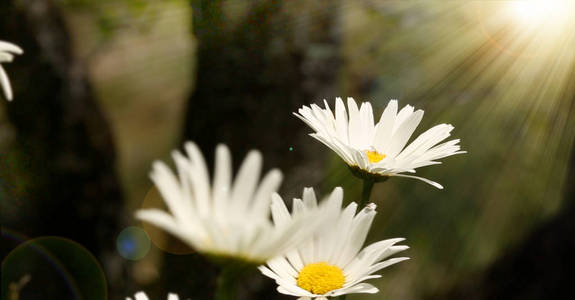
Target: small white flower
{"type": "Point", "coordinates": [7, 52]}
{"type": "Point", "coordinates": [331, 264]}
{"type": "Point", "coordinates": [379, 150]}
{"type": "Point", "coordinates": [142, 296]}
{"type": "Point", "coordinates": [225, 219]}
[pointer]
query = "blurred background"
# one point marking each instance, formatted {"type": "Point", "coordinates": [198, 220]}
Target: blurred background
{"type": "Point", "coordinates": [106, 87]}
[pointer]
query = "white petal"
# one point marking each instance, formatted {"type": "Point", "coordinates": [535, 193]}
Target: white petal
{"type": "Point", "coordinates": [298, 208]}
{"type": "Point", "coordinates": [385, 264]}
{"type": "Point", "coordinates": [403, 115]}
{"type": "Point", "coordinates": [309, 199]}
{"type": "Point", "coordinates": [5, 83]}
{"type": "Point", "coordinates": [6, 57]}
{"type": "Point", "coordinates": [165, 221]}
{"type": "Point", "coordinates": [354, 129]}
{"type": "Point", "coordinates": [269, 273]}
{"type": "Point", "coordinates": [280, 213]}
{"type": "Point", "coordinates": [360, 159]}
{"type": "Point", "coordinates": [368, 256]}
{"type": "Point", "coordinates": [433, 183]}
{"type": "Point", "coordinates": [9, 47]}
{"type": "Point", "coordinates": [363, 288]}
{"type": "Point", "coordinates": [426, 140]}
{"type": "Point", "coordinates": [169, 188]}
{"type": "Point", "coordinates": [282, 267]}
{"type": "Point", "coordinates": [200, 178]}
{"type": "Point", "coordinates": [368, 129]}
{"type": "Point", "coordinates": [343, 231]}
{"type": "Point", "coordinates": [295, 259]}
{"type": "Point", "coordinates": [403, 133]}
{"type": "Point", "coordinates": [246, 181]}
{"type": "Point", "coordinates": [293, 290]}
{"type": "Point", "coordinates": [222, 180]}
{"type": "Point", "coordinates": [341, 122]}
{"type": "Point", "coordinates": [392, 250]}
{"type": "Point", "coordinates": [360, 228]}
{"type": "Point", "coordinates": [141, 296]}
{"type": "Point", "coordinates": [173, 297]}
{"type": "Point", "coordinates": [263, 196]}
{"type": "Point", "coordinates": [384, 127]}
{"type": "Point", "coordinates": [338, 148]}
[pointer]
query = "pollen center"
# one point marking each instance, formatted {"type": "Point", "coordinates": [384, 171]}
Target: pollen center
{"type": "Point", "coordinates": [320, 278]}
{"type": "Point", "coordinates": [374, 156]}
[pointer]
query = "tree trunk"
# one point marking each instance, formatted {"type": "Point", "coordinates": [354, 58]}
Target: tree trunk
{"type": "Point", "coordinates": [59, 177]}
{"type": "Point", "coordinates": [255, 66]}
{"type": "Point", "coordinates": [253, 72]}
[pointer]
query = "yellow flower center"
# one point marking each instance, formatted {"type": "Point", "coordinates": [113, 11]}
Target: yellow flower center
{"type": "Point", "coordinates": [374, 156]}
{"type": "Point", "coordinates": [320, 278]}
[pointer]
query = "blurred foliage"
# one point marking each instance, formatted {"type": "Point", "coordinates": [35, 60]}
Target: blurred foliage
{"type": "Point", "coordinates": [109, 15]}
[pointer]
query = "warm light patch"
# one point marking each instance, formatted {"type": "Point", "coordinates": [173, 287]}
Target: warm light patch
{"type": "Point", "coordinates": [537, 13]}
{"type": "Point", "coordinates": [320, 278]}
{"type": "Point", "coordinates": [374, 156]}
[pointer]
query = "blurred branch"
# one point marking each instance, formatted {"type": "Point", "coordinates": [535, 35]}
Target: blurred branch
{"type": "Point", "coordinates": [15, 287]}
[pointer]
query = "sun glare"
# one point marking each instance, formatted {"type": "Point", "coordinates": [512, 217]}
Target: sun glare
{"type": "Point", "coordinates": [541, 14]}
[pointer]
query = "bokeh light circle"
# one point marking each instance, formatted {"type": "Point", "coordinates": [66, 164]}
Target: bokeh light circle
{"type": "Point", "coordinates": [56, 268]}
{"type": "Point", "coordinates": [133, 243]}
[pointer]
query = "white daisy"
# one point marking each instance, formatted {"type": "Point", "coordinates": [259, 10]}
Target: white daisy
{"type": "Point", "coordinates": [225, 219]}
{"type": "Point", "coordinates": [378, 151]}
{"type": "Point", "coordinates": [142, 296]}
{"type": "Point", "coordinates": [7, 52]}
{"type": "Point", "coordinates": [331, 264]}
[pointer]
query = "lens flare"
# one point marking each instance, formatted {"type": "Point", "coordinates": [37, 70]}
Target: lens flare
{"type": "Point", "coordinates": [133, 243]}
{"type": "Point", "coordinates": [56, 268]}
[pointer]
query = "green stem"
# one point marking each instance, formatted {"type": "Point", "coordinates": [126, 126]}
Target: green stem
{"type": "Point", "coordinates": [366, 192]}
{"type": "Point", "coordinates": [227, 284]}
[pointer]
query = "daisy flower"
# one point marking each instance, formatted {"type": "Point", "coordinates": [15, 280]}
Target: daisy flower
{"type": "Point", "coordinates": [225, 220]}
{"type": "Point", "coordinates": [332, 262]}
{"type": "Point", "coordinates": [7, 52]}
{"type": "Point", "coordinates": [142, 296]}
{"type": "Point", "coordinates": [377, 151]}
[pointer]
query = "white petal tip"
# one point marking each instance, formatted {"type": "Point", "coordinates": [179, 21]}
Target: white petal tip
{"type": "Point", "coordinates": [190, 144]}
{"type": "Point", "coordinates": [221, 147]}
{"type": "Point", "coordinates": [276, 197]}
{"type": "Point", "coordinates": [276, 173]}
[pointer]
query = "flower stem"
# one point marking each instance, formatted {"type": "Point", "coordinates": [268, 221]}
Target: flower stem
{"type": "Point", "coordinates": [366, 192]}
{"type": "Point", "coordinates": [227, 284]}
